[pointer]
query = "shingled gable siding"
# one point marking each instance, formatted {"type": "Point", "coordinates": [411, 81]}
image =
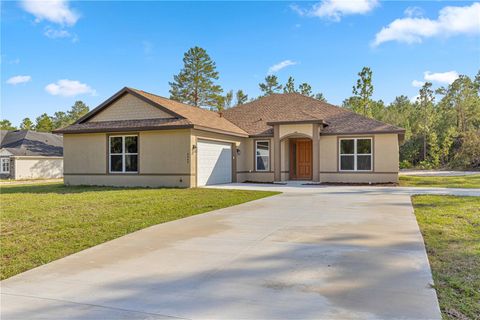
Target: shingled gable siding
{"type": "Point", "coordinates": [129, 107]}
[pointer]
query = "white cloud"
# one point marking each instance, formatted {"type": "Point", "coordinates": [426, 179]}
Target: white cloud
{"type": "Point", "coordinates": [68, 88]}
{"type": "Point", "coordinates": [56, 33]}
{"type": "Point", "coordinates": [417, 84]}
{"type": "Point", "coordinates": [413, 12]}
{"type": "Point", "coordinates": [281, 65]}
{"type": "Point", "coordinates": [451, 21]}
{"type": "Point", "coordinates": [56, 11]}
{"type": "Point", "coordinates": [19, 79]}
{"type": "Point", "coordinates": [414, 98]}
{"type": "Point", "coordinates": [335, 9]}
{"type": "Point", "coordinates": [442, 77]}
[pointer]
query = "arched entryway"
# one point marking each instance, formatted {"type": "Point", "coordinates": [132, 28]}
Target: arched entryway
{"type": "Point", "coordinates": [300, 158]}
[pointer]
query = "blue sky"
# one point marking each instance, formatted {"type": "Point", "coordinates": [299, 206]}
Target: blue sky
{"type": "Point", "coordinates": [55, 53]}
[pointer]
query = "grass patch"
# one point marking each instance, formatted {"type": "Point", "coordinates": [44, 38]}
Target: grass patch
{"type": "Point", "coordinates": [44, 222]}
{"type": "Point", "coordinates": [470, 181]}
{"type": "Point", "coordinates": [451, 229]}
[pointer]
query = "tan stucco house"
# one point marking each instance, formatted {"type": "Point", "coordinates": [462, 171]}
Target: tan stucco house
{"type": "Point", "coordinates": [137, 138]}
{"type": "Point", "coordinates": [26, 154]}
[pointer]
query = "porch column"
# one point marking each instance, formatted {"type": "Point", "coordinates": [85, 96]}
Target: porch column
{"type": "Point", "coordinates": [277, 175]}
{"type": "Point", "coordinates": [316, 152]}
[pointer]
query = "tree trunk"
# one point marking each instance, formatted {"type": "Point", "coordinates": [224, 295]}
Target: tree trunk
{"type": "Point", "coordinates": [424, 147]}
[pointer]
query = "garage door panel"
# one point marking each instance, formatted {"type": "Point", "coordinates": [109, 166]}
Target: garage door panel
{"type": "Point", "coordinates": [214, 162]}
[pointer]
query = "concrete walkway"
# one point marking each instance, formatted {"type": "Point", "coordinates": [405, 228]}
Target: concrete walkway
{"type": "Point", "coordinates": [310, 253]}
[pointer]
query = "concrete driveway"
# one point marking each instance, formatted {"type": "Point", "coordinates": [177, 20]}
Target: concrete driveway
{"type": "Point", "coordinates": [311, 252]}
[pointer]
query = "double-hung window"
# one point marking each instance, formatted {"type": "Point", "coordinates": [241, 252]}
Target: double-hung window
{"type": "Point", "coordinates": [123, 154]}
{"type": "Point", "coordinates": [262, 155]}
{"type": "Point", "coordinates": [356, 154]}
{"type": "Point", "coordinates": [4, 165]}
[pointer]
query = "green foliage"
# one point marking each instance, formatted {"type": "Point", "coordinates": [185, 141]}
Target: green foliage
{"type": "Point", "coordinates": [290, 86]}
{"type": "Point", "coordinates": [405, 164]}
{"type": "Point", "coordinates": [6, 125]}
{"type": "Point", "coordinates": [240, 97]}
{"type": "Point", "coordinates": [27, 124]}
{"type": "Point", "coordinates": [321, 97]}
{"type": "Point", "coordinates": [78, 110]}
{"type": "Point", "coordinates": [364, 91]}
{"type": "Point", "coordinates": [195, 84]}
{"type": "Point", "coordinates": [270, 85]}
{"type": "Point", "coordinates": [44, 123]}
{"type": "Point", "coordinates": [305, 89]}
{"type": "Point", "coordinates": [468, 154]}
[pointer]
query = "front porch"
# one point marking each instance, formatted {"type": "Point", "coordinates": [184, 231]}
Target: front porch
{"type": "Point", "coordinates": [296, 150]}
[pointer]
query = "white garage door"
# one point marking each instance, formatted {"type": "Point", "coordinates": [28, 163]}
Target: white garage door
{"type": "Point", "coordinates": [214, 162]}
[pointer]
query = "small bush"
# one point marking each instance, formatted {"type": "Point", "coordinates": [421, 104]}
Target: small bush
{"type": "Point", "coordinates": [405, 164]}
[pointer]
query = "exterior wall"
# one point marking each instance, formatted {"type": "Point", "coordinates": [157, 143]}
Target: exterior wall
{"type": "Point", "coordinates": [37, 167]}
{"type": "Point", "coordinates": [385, 160]}
{"type": "Point", "coordinates": [298, 129]}
{"type": "Point", "coordinates": [246, 162]}
{"type": "Point", "coordinates": [164, 160]}
{"type": "Point", "coordinates": [130, 107]}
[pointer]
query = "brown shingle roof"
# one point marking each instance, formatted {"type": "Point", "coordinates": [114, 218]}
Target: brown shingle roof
{"type": "Point", "coordinates": [249, 119]}
{"type": "Point", "coordinates": [185, 116]}
{"type": "Point", "coordinates": [127, 125]}
{"type": "Point", "coordinates": [253, 116]}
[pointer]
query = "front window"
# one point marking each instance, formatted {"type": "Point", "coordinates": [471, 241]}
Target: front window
{"type": "Point", "coordinates": [262, 155]}
{"type": "Point", "coordinates": [123, 156]}
{"type": "Point", "coordinates": [5, 165]}
{"type": "Point", "coordinates": [356, 154]}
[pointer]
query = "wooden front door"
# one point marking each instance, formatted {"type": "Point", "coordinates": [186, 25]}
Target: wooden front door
{"type": "Point", "coordinates": [301, 159]}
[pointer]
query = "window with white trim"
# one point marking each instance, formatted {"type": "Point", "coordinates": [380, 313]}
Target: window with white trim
{"type": "Point", "coordinates": [123, 154]}
{"type": "Point", "coordinates": [5, 165]}
{"type": "Point", "coordinates": [355, 154]}
{"type": "Point", "coordinates": [262, 155]}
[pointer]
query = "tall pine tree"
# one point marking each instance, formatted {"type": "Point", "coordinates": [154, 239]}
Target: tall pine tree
{"type": "Point", "coordinates": [195, 84]}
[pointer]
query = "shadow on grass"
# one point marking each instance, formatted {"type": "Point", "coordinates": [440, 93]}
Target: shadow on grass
{"type": "Point", "coordinates": [60, 188]}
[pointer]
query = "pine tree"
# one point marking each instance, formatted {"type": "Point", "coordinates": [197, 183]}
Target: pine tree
{"type": "Point", "coordinates": [290, 86]}
{"type": "Point", "coordinates": [305, 89]}
{"type": "Point", "coordinates": [78, 110]}
{"type": "Point", "coordinates": [195, 82]}
{"type": "Point", "coordinates": [270, 85]}
{"type": "Point", "coordinates": [321, 97]}
{"type": "Point", "coordinates": [6, 125]}
{"type": "Point", "coordinates": [240, 97]}
{"type": "Point", "coordinates": [364, 91]}
{"type": "Point", "coordinates": [26, 124]}
{"type": "Point", "coordinates": [44, 123]}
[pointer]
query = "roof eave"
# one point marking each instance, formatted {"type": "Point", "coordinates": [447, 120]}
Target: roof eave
{"type": "Point", "coordinates": [320, 121]}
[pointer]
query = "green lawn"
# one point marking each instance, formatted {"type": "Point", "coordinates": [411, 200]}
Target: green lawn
{"type": "Point", "coordinates": [451, 230]}
{"type": "Point", "coordinates": [471, 181]}
{"type": "Point", "coordinates": [42, 223]}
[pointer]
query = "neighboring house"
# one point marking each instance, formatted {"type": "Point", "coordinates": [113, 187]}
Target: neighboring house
{"type": "Point", "coordinates": [26, 154]}
{"type": "Point", "coordinates": [137, 138]}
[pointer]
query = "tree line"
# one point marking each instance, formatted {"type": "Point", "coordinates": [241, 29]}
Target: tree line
{"type": "Point", "coordinates": [46, 123]}
{"type": "Point", "coordinates": [442, 126]}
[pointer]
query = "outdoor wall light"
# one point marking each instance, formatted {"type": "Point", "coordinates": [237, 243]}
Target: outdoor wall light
{"type": "Point", "coordinates": [238, 152]}
{"type": "Point", "coordinates": [194, 147]}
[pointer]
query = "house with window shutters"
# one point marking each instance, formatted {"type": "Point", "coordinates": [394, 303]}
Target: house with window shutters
{"type": "Point", "coordinates": [136, 138]}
